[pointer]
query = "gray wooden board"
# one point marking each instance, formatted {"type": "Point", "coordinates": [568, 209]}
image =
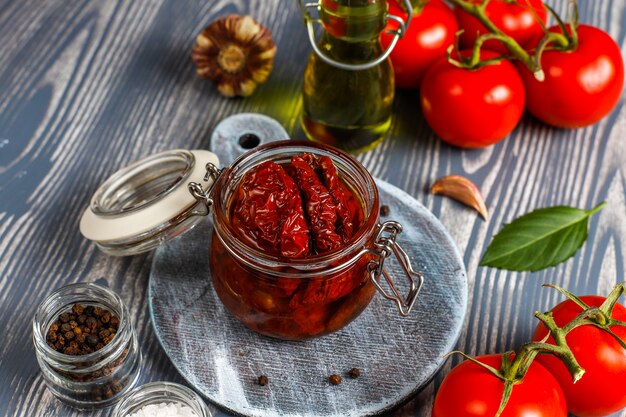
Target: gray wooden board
{"type": "Point", "coordinates": [222, 359]}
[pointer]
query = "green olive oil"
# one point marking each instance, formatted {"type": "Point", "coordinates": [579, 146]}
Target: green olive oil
{"type": "Point", "coordinates": [349, 109]}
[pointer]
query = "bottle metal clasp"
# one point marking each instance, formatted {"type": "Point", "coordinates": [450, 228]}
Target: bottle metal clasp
{"type": "Point", "coordinates": [306, 8]}
{"type": "Point", "coordinates": [384, 246]}
{"type": "Point", "coordinates": [205, 196]}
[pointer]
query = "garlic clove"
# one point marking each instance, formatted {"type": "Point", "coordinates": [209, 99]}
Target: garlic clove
{"type": "Point", "coordinates": [463, 190]}
{"type": "Point", "coordinates": [236, 53]}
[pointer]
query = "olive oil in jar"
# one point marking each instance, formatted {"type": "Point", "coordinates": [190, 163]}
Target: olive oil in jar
{"type": "Point", "coordinates": [346, 108]}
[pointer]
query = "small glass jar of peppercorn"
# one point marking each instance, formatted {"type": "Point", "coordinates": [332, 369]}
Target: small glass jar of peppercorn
{"type": "Point", "coordinates": [86, 345]}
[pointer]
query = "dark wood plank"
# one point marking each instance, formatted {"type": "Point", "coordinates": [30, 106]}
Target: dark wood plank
{"type": "Point", "coordinates": [88, 86]}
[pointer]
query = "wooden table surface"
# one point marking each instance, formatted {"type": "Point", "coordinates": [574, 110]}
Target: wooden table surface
{"type": "Point", "coordinates": [88, 86]}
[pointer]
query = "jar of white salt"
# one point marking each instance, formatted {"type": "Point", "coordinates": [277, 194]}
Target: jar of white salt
{"type": "Point", "coordinates": [162, 399]}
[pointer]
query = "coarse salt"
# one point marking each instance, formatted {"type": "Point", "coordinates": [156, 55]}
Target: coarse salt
{"type": "Point", "coordinates": [164, 410]}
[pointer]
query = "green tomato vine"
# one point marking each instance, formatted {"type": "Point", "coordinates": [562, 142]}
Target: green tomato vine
{"type": "Point", "coordinates": [515, 365]}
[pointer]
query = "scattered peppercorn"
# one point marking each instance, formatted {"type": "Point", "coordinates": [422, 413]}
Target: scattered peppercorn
{"type": "Point", "coordinates": [82, 330]}
{"type": "Point", "coordinates": [263, 380]}
{"type": "Point", "coordinates": [384, 210]}
{"type": "Point", "coordinates": [354, 373]}
{"type": "Point", "coordinates": [334, 379]}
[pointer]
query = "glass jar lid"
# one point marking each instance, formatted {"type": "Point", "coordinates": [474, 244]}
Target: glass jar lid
{"type": "Point", "coordinates": [148, 202]}
{"type": "Point", "coordinates": [164, 195]}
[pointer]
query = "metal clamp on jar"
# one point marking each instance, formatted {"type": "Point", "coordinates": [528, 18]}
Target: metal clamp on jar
{"type": "Point", "coordinates": [163, 196]}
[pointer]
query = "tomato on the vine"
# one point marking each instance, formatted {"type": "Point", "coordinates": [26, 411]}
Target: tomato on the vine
{"type": "Point", "coordinates": [472, 108]}
{"type": "Point", "coordinates": [518, 19]}
{"type": "Point", "coordinates": [581, 86]}
{"type": "Point", "coordinates": [431, 31]}
{"type": "Point", "coordinates": [470, 390]}
{"type": "Point", "coordinates": [602, 389]}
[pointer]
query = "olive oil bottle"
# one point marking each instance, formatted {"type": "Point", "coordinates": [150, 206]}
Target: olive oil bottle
{"type": "Point", "coordinates": [348, 85]}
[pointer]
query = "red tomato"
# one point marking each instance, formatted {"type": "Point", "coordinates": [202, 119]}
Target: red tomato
{"type": "Point", "coordinates": [601, 391]}
{"type": "Point", "coordinates": [472, 108]}
{"type": "Point", "coordinates": [515, 19]}
{"type": "Point", "coordinates": [581, 86]}
{"type": "Point", "coordinates": [430, 33]}
{"type": "Point", "coordinates": [469, 390]}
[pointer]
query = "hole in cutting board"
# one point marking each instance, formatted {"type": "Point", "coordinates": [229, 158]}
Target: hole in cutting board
{"type": "Point", "coordinates": [249, 141]}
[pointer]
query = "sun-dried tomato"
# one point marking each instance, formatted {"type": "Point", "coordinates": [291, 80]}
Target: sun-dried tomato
{"type": "Point", "coordinates": [326, 290]}
{"type": "Point", "coordinates": [348, 210]}
{"type": "Point", "coordinates": [268, 212]}
{"type": "Point", "coordinates": [320, 208]}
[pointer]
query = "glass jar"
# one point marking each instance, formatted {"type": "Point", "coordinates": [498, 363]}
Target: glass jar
{"type": "Point", "coordinates": [97, 379]}
{"type": "Point", "coordinates": [296, 298]}
{"type": "Point", "coordinates": [156, 393]}
{"type": "Point", "coordinates": [280, 297]}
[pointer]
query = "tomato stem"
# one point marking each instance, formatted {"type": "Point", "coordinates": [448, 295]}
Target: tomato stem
{"type": "Point", "coordinates": [566, 41]}
{"type": "Point", "coordinates": [515, 365]}
{"type": "Point", "coordinates": [515, 49]}
{"type": "Point", "coordinates": [506, 394]}
{"type": "Point", "coordinates": [491, 369]}
{"type": "Point", "coordinates": [573, 18]}
{"type": "Point", "coordinates": [417, 5]}
{"type": "Point", "coordinates": [580, 303]}
{"type": "Point", "coordinates": [609, 304]}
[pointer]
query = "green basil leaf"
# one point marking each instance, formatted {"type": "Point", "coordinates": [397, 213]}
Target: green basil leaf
{"type": "Point", "coordinates": [539, 239]}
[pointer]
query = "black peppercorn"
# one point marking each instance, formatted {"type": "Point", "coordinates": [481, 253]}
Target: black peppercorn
{"type": "Point", "coordinates": [91, 323]}
{"type": "Point", "coordinates": [82, 330]}
{"type": "Point", "coordinates": [106, 317]}
{"type": "Point", "coordinates": [115, 322]}
{"type": "Point", "coordinates": [70, 351]}
{"type": "Point", "coordinates": [78, 309]}
{"type": "Point", "coordinates": [334, 379]}
{"type": "Point", "coordinates": [263, 380]}
{"type": "Point", "coordinates": [92, 340]}
{"type": "Point", "coordinates": [384, 210]}
{"type": "Point", "coordinates": [354, 373]}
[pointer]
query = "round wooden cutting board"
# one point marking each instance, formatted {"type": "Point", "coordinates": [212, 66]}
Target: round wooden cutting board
{"type": "Point", "coordinates": [397, 356]}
